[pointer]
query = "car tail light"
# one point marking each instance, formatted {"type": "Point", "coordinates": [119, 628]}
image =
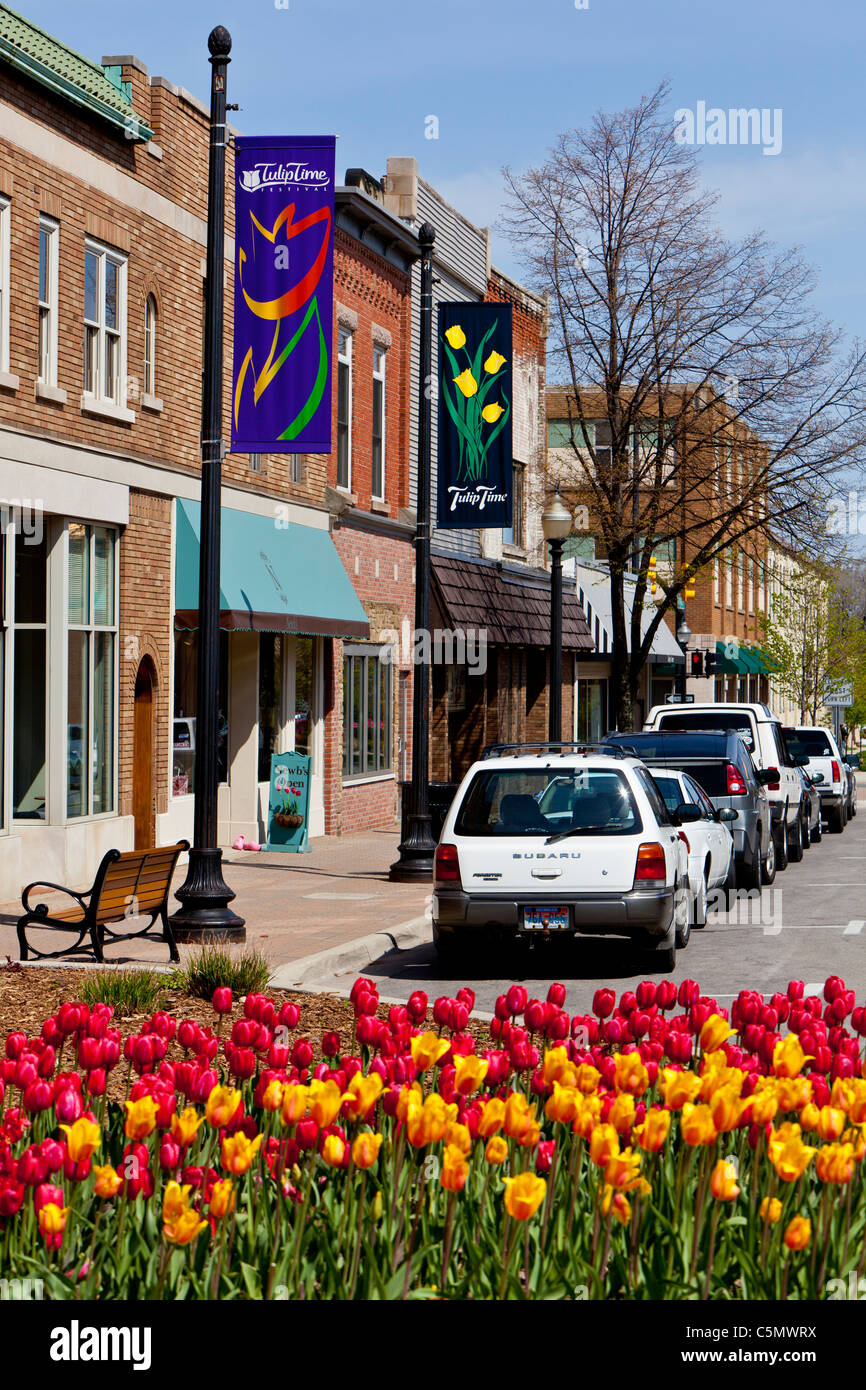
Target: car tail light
{"type": "Point", "coordinates": [736, 785]}
{"type": "Point", "coordinates": [447, 868]}
{"type": "Point", "coordinates": [651, 866]}
{"type": "Point", "coordinates": [774, 782]}
{"type": "Point", "coordinates": [836, 771]}
{"type": "Point", "coordinates": [685, 839]}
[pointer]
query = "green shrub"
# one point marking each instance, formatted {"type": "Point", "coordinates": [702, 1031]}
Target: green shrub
{"type": "Point", "coordinates": [246, 973]}
{"type": "Point", "coordinates": [129, 991]}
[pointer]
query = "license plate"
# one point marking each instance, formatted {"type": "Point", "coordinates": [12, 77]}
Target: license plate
{"type": "Point", "coordinates": [546, 919]}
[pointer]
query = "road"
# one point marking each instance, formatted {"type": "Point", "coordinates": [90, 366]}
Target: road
{"type": "Point", "coordinates": [809, 924]}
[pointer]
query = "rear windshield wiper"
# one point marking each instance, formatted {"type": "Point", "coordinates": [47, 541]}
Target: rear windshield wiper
{"type": "Point", "coordinates": [575, 830]}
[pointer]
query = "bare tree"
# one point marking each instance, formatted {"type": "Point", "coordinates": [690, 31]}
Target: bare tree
{"type": "Point", "coordinates": [704, 396]}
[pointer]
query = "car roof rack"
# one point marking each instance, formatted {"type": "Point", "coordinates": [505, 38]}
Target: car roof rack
{"type": "Point", "coordinates": [504, 750]}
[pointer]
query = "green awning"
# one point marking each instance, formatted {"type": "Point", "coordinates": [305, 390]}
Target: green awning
{"type": "Point", "coordinates": [747, 662]}
{"type": "Point", "coordinates": [272, 579]}
{"type": "Point", "coordinates": [768, 663]}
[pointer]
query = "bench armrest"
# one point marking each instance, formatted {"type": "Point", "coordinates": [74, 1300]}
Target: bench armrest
{"type": "Point", "coordinates": [80, 898]}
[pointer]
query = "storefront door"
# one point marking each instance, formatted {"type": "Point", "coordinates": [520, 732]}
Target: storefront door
{"type": "Point", "coordinates": [143, 758]}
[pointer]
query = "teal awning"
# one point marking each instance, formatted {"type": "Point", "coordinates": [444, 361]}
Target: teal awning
{"type": "Point", "coordinates": [747, 662]}
{"type": "Point", "coordinates": [272, 579]}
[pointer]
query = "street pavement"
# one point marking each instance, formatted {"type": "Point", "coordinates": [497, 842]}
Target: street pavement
{"type": "Point", "coordinates": [811, 923]}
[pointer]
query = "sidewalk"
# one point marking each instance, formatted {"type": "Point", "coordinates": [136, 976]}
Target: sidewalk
{"type": "Point", "coordinates": [293, 904]}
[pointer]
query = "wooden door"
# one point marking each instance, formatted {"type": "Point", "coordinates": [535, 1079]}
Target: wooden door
{"type": "Point", "coordinates": [143, 760]}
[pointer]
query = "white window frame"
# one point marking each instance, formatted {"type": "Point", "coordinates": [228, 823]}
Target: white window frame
{"type": "Point", "coordinates": [49, 228]}
{"type": "Point", "coordinates": [151, 320]}
{"type": "Point", "coordinates": [98, 397]}
{"type": "Point", "coordinates": [381, 351]}
{"type": "Point", "coordinates": [91, 628]}
{"type": "Point", "coordinates": [345, 359]}
{"type": "Point", "coordinates": [5, 237]}
{"type": "Point", "coordinates": [717, 581]}
{"type": "Point", "coordinates": [729, 579]}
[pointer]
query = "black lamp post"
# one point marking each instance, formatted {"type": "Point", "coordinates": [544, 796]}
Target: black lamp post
{"type": "Point", "coordinates": [418, 849]}
{"type": "Point", "coordinates": [556, 525]}
{"type": "Point", "coordinates": [684, 633]}
{"type": "Point", "coordinates": [204, 896]}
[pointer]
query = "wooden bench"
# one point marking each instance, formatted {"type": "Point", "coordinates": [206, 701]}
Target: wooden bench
{"type": "Point", "coordinates": [129, 885]}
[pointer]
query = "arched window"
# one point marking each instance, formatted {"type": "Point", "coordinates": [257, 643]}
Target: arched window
{"type": "Point", "coordinates": [150, 346]}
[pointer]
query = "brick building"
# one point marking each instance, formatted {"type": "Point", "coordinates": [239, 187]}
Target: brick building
{"type": "Point", "coordinates": [103, 178]}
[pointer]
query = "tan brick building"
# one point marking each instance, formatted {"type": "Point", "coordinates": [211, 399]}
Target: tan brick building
{"type": "Point", "coordinates": [103, 178]}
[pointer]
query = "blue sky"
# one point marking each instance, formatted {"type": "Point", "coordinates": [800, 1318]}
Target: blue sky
{"type": "Point", "coordinates": [505, 76]}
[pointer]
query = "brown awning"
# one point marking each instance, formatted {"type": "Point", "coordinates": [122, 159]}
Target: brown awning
{"type": "Point", "coordinates": [513, 605]}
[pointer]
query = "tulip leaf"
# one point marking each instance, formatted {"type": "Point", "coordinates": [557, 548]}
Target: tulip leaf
{"type": "Point", "coordinates": [251, 1280]}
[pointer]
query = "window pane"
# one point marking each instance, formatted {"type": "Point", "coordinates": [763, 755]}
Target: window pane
{"type": "Point", "coordinates": [112, 367]}
{"type": "Point", "coordinates": [44, 345]}
{"type": "Point", "coordinates": [183, 742]}
{"type": "Point", "coordinates": [372, 713]}
{"type": "Point", "coordinates": [343, 425]}
{"type": "Point", "coordinates": [103, 722]}
{"type": "Point", "coordinates": [378, 435]}
{"type": "Point", "coordinates": [76, 725]}
{"type": "Point", "coordinates": [91, 284]}
{"type": "Point", "coordinates": [304, 696]}
{"type": "Point", "coordinates": [347, 713]}
{"type": "Point", "coordinates": [357, 711]}
{"type": "Point", "coordinates": [270, 700]}
{"type": "Point", "coordinates": [28, 719]}
{"type": "Point", "coordinates": [43, 265]}
{"type": "Point", "coordinates": [30, 578]}
{"type": "Point", "coordinates": [103, 577]}
{"type": "Point", "coordinates": [79, 572]}
{"type": "Point", "coordinates": [111, 283]}
{"type": "Point", "coordinates": [384, 716]}
{"type": "Point", "coordinates": [91, 359]}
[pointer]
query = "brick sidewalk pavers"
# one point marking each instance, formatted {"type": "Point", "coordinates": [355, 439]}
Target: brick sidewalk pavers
{"type": "Point", "coordinates": [293, 904]}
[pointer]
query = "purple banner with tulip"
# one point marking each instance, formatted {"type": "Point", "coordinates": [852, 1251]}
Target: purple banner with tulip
{"type": "Point", "coordinates": [474, 462]}
{"type": "Point", "coordinates": [284, 294]}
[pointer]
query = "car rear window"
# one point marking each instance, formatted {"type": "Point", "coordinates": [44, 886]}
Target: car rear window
{"type": "Point", "coordinates": [544, 801]}
{"type": "Point", "coordinates": [712, 777]}
{"type": "Point", "coordinates": [652, 744]}
{"type": "Point", "coordinates": [809, 743]}
{"type": "Point", "coordinates": [669, 788]}
{"type": "Point", "coordinates": [739, 722]}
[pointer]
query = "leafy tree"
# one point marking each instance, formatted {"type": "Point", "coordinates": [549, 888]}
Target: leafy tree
{"type": "Point", "coordinates": [815, 641]}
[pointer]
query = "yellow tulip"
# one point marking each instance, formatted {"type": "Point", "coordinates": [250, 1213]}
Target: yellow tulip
{"type": "Point", "coordinates": [222, 1103]}
{"type": "Point", "coordinates": [678, 1087]}
{"type": "Point", "coordinates": [456, 337]}
{"type": "Point", "coordinates": [723, 1181]}
{"type": "Point", "coordinates": [810, 1115]}
{"type": "Point", "coordinates": [175, 1200]}
{"type": "Point", "coordinates": [427, 1048]}
{"type": "Point", "coordinates": [184, 1228]}
{"type": "Point", "coordinates": [562, 1104]}
{"type": "Point", "coordinates": [427, 1125]}
{"type": "Point", "coordinates": [789, 1057]}
{"type": "Point", "coordinates": [651, 1135]}
{"type": "Point", "coordinates": [714, 1033]}
{"type": "Point", "coordinates": [518, 1115]}
{"type": "Point", "coordinates": [492, 1118]}
{"type": "Point", "coordinates": [273, 1096]}
{"type": "Point", "coordinates": [794, 1092]}
{"type": "Point", "coordinates": [616, 1202]}
{"type": "Point", "coordinates": [788, 1154]}
{"type": "Point", "coordinates": [557, 1067]}
{"type": "Point", "coordinates": [108, 1181]}
{"type": "Point", "coordinates": [623, 1169]}
{"type": "Point", "coordinates": [82, 1139]}
{"type": "Point", "coordinates": [222, 1198]}
{"type": "Point", "coordinates": [455, 1169]}
{"type": "Point", "coordinates": [630, 1074]}
{"type": "Point", "coordinates": [587, 1078]}
{"type": "Point", "coordinates": [587, 1115]}
{"type": "Point", "coordinates": [466, 383]}
{"type": "Point", "coordinates": [696, 1125]}
{"type": "Point", "coordinates": [459, 1137]}
{"type": "Point", "coordinates": [835, 1163]}
{"type": "Point", "coordinates": [238, 1152]}
{"type": "Point", "coordinates": [492, 412]}
{"type": "Point", "coordinates": [494, 362]}
{"type": "Point", "coordinates": [184, 1127]}
{"type": "Point", "coordinates": [325, 1099]}
{"type": "Point", "coordinates": [798, 1233]}
{"type": "Point", "coordinates": [294, 1106]}
{"type": "Point", "coordinates": [469, 1074]}
{"type": "Point", "coordinates": [524, 1195]}
{"type": "Point", "coordinates": [334, 1150]}
{"type": "Point", "coordinates": [621, 1113]}
{"type": "Point", "coordinates": [365, 1149]}
{"type": "Point", "coordinates": [531, 1134]}
{"type": "Point", "coordinates": [361, 1095]}
{"type": "Point", "coordinates": [770, 1210]}
{"type": "Point", "coordinates": [52, 1219]}
{"type": "Point", "coordinates": [831, 1122]}
{"type": "Point", "coordinates": [762, 1106]}
{"type": "Point", "coordinates": [497, 1149]}
{"type": "Point", "coordinates": [140, 1117]}
{"type": "Point", "coordinates": [603, 1144]}
{"type": "Point", "coordinates": [726, 1110]}
{"type": "Point", "coordinates": [411, 1098]}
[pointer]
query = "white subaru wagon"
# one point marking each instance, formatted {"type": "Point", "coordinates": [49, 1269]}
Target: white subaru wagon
{"type": "Point", "coordinates": [547, 840]}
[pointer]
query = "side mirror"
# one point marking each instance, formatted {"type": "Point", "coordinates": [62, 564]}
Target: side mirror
{"type": "Point", "coordinates": [767, 776]}
{"type": "Point", "coordinates": [801, 762]}
{"type": "Point", "coordinates": [688, 812]}
{"type": "Point", "coordinates": [815, 778]}
{"type": "Point", "coordinates": [727, 813]}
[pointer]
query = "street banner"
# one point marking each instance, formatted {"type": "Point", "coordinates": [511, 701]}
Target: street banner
{"type": "Point", "coordinates": [284, 294]}
{"type": "Point", "coordinates": [289, 803]}
{"type": "Point", "coordinates": [474, 460]}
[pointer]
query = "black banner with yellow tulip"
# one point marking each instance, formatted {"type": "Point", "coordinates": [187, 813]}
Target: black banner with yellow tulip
{"type": "Point", "coordinates": [474, 461]}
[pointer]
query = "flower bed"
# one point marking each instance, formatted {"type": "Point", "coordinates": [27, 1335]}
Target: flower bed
{"type": "Point", "coordinates": [655, 1148]}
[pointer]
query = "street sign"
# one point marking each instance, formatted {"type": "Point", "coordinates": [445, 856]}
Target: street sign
{"type": "Point", "coordinates": [679, 699]}
{"type": "Point", "coordinates": [842, 696]}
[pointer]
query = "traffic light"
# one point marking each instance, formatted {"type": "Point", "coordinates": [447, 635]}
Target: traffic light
{"type": "Point", "coordinates": [711, 661]}
{"type": "Point", "coordinates": [652, 573]}
{"type": "Point", "coordinates": [696, 664]}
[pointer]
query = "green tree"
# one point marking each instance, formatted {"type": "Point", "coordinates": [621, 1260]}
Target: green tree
{"type": "Point", "coordinates": [815, 641]}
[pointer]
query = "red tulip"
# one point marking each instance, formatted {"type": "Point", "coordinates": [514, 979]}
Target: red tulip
{"type": "Point", "coordinates": [666, 994]}
{"type": "Point", "coordinates": [38, 1096]}
{"type": "Point", "coordinates": [466, 996]}
{"type": "Point", "coordinates": [96, 1082]}
{"type": "Point", "coordinates": [15, 1045]}
{"type": "Point", "coordinates": [516, 998]}
{"type": "Point", "coordinates": [68, 1106]}
{"type": "Point", "coordinates": [688, 994]}
{"type": "Point", "coordinates": [603, 1003]}
{"type": "Point", "coordinates": [417, 1006]}
{"type": "Point", "coordinates": [222, 1000]}
{"type": "Point", "coordinates": [289, 1015]}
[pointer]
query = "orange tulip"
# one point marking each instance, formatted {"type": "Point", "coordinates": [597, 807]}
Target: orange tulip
{"type": "Point", "coordinates": [798, 1233]}
{"type": "Point", "coordinates": [524, 1195]}
{"type": "Point", "coordinates": [616, 1202]}
{"type": "Point", "coordinates": [562, 1104]}
{"type": "Point", "coordinates": [678, 1087]}
{"type": "Point", "coordinates": [185, 1126]}
{"type": "Point", "coordinates": [603, 1145]}
{"type": "Point", "coordinates": [294, 1106]}
{"type": "Point", "coordinates": [455, 1169]}
{"type": "Point", "coordinates": [238, 1152]}
{"type": "Point", "coordinates": [831, 1122]}
{"type": "Point", "coordinates": [362, 1094]}
{"type": "Point", "coordinates": [630, 1074]}
{"type": "Point", "coordinates": [222, 1103]}
{"type": "Point", "coordinates": [770, 1210]}
{"type": "Point", "coordinates": [723, 1181]}
{"type": "Point", "coordinates": [714, 1033]}
{"type": "Point", "coordinates": [469, 1074]}
{"type": "Point", "coordinates": [459, 1137]}
{"type": "Point", "coordinates": [497, 1149]}
{"type": "Point", "coordinates": [492, 1118]}
{"type": "Point", "coordinates": [140, 1117]}
{"type": "Point", "coordinates": [108, 1182]}
{"type": "Point", "coordinates": [652, 1134]}
{"type": "Point", "coordinates": [835, 1163]}
{"type": "Point", "coordinates": [222, 1198]}
{"type": "Point", "coordinates": [696, 1125]}
{"type": "Point", "coordinates": [365, 1149]}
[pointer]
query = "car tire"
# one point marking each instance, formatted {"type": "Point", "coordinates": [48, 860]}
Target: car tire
{"type": "Point", "coordinates": [807, 832]}
{"type": "Point", "coordinates": [782, 849]}
{"type": "Point", "coordinates": [701, 902]}
{"type": "Point", "coordinates": [836, 820]}
{"type": "Point", "coordinates": [852, 804]}
{"type": "Point", "coordinates": [795, 842]}
{"type": "Point", "coordinates": [768, 864]}
{"type": "Point", "coordinates": [749, 875]}
{"type": "Point", "coordinates": [683, 926]}
{"type": "Point", "coordinates": [818, 832]}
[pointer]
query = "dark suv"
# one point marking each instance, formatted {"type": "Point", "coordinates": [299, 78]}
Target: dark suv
{"type": "Point", "coordinates": [722, 765]}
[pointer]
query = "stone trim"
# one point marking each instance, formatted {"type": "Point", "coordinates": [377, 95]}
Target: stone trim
{"type": "Point", "coordinates": [347, 318]}
{"type": "Point", "coordinates": [381, 336]}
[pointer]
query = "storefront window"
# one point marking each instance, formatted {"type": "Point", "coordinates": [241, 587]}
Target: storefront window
{"type": "Point", "coordinates": [91, 639]}
{"type": "Point", "coordinates": [367, 695]}
{"type": "Point", "coordinates": [29, 685]}
{"type": "Point", "coordinates": [185, 701]}
{"type": "Point", "coordinates": [271, 652]}
{"type": "Point", "coordinates": [590, 710]}
{"type": "Point", "coordinates": [304, 675]}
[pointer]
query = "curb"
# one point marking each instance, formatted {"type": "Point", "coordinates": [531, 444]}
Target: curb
{"type": "Point", "coordinates": [353, 955]}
